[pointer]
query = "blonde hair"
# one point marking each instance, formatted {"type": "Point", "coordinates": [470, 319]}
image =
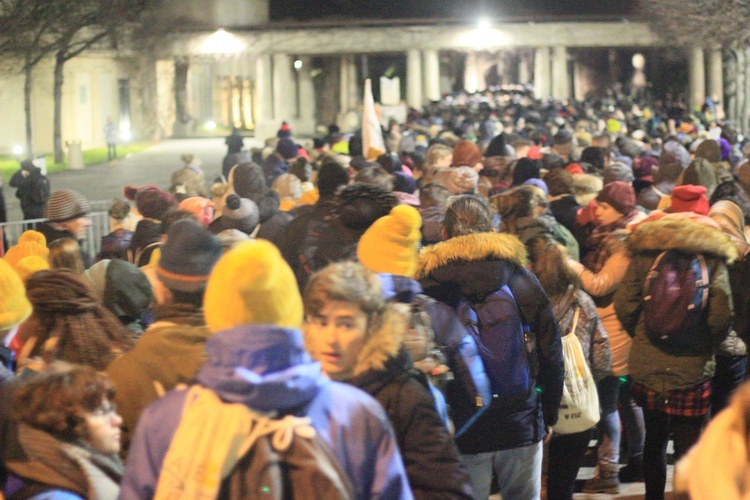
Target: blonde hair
{"type": "Point", "coordinates": [437, 152]}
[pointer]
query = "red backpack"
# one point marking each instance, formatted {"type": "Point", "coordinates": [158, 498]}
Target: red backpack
{"type": "Point", "coordinates": [675, 294]}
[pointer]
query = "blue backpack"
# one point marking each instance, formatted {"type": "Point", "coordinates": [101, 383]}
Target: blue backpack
{"type": "Point", "coordinates": [505, 345]}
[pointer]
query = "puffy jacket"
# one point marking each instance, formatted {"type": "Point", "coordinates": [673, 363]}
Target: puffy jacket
{"type": "Point", "coordinates": [473, 267]}
{"type": "Point", "coordinates": [267, 368]}
{"type": "Point", "coordinates": [662, 369]}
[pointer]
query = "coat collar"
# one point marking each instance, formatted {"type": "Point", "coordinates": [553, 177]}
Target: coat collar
{"type": "Point", "coordinates": [681, 234]}
{"type": "Point", "coordinates": [471, 247]}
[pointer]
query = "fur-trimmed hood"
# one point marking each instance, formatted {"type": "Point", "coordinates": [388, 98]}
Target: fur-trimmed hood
{"type": "Point", "coordinates": [385, 342]}
{"type": "Point", "coordinates": [681, 234]}
{"type": "Point", "coordinates": [471, 247]}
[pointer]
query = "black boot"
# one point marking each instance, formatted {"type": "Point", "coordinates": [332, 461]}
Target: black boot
{"type": "Point", "coordinates": [633, 471]}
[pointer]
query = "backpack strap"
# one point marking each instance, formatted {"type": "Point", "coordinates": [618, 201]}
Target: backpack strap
{"type": "Point", "coordinates": [658, 191]}
{"type": "Point", "coordinates": [652, 273]}
{"type": "Point", "coordinates": [704, 281]}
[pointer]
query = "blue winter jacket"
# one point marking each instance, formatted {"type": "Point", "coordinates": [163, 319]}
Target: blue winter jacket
{"type": "Point", "coordinates": [268, 369]}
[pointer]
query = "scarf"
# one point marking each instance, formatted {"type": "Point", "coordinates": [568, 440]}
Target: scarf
{"type": "Point", "coordinates": [71, 466]}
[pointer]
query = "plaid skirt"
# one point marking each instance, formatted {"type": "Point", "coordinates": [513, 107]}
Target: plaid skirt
{"type": "Point", "coordinates": [693, 402]}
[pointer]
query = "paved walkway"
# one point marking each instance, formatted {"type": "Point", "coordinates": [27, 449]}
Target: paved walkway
{"type": "Point", "coordinates": [152, 166]}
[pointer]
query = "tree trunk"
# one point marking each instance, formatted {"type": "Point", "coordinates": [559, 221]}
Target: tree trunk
{"type": "Point", "coordinates": [27, 87]}
{"type": "Point", "coordinates": [57, 92]}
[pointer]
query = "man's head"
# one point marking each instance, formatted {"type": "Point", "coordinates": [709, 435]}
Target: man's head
{"type": "Point", "coordinates": [70, 210]}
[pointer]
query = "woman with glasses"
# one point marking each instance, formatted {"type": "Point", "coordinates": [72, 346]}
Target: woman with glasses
{"type": "Point", "coordinates": [68, 437]}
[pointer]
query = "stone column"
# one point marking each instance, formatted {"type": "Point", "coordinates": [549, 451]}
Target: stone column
{"type": "Point", "coordinates": [542, 76]}
{"type": "Point", "coordinates": [431, 75]}
{"type": "Point", "coordinates": [263, 98]}
{"type": "Point", "coordinates": [283, 88]}
{"type": "Point", "coordinates": [697, 78]}
{"type": "Point", "coordinates": [346, 61]}
{"type": "Point", "coordinates": [560, 76]}
{"type": "Point", "coordinates": [354, 100]}
{"type": "Point", "coordinates": [525, 67]}
{"type": "Point", "coordinates": [414, 96]}
{"type": "Point", "coordinates": [471, 82]}
{"type": "Point", "coordinates": [306, 98]}
{"type": "Point", "coordinates": [715, 75]}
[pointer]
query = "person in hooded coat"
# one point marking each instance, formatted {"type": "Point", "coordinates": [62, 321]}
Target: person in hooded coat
{"type": "Point", "coordinates": [247, 181]}
{"type": "Point", "coordinates": [673, 385]}
{"type": "Point", "coordinates": [256, 358]}
{"type": "Point", "coordinates": [473, 262]}
{"type": "Point", "coordinates": [359, 339]}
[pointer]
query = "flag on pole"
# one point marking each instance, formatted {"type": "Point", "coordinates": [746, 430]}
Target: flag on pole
{"type": "Point", "coordinates": [372, 135]}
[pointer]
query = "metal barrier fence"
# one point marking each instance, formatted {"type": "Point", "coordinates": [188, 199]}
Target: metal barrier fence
{"type": "Point", "coordinates": [99, 227]}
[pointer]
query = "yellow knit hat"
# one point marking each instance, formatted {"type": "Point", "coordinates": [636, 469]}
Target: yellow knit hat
{"type": "Point", "coordinates": [252, 284]}
{"type": "Point", "coordinates": [29, 265]}
{"type": "Point", "coordinates": [24, 249]}
{"type": "Point", "coordinates": [390, 245]}
{"type": "Point", "coordinates": [14, 306]}
{"type": "Point", "coordinates": [34, 236]}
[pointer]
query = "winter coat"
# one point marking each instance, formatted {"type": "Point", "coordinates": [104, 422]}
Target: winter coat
{"type": "Point", "coordinates": [298, 242]}
{"type": "Point", "coordinates": [188, 182]}
{"type": "Point", "coordinates": [115, 245]}
{"type": "Point", "coordinates": [169, 353]}
{"type": "Point", "coordinates": [147, 232]}
{"type": "Point", "coordinates": [601, 287]}
{"type": "Point", "coordinates": [51, 233]}
{"type": "Point", "coordinates": [732, 191]}
{"type": "Point", "coordinates": [58, 469]}
{"type": "Point", "coordinates": [564, 210]}
{"type": "Point", "coordinates": [266, 368]}
{"type": "Point", "coordinates": [589, 330]}
{"type": "Point", "coordinates": [24, 185]}
{"type": "Point", "coordinates": [668, 369]}
{"type": "Point", "coordinates": [473, 267]}
{"type": "Point", "coordinates": [385, 371]}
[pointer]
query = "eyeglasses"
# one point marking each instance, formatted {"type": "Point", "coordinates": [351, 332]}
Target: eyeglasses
{"type": "Point", "coordinates": [105, 410]}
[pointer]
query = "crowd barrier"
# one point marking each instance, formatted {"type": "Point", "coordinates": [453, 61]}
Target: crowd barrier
{"type": "Point", "coordinates": [99, 227]}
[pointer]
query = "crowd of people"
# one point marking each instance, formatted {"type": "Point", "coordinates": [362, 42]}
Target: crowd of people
{"type": "Point", "coordinates": [509, 280]}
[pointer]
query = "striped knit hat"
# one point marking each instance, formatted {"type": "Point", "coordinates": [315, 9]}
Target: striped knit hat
{"type": "Point", "coordinates": [66, 204]}
{"type": "Point", "coordinates": [188, 256]}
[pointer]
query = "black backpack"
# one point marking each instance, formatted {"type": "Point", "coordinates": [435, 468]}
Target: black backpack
{"type": "Point", "coordinates": [39, 189]}
{"type": "Point", "coordinates": [675, 294]}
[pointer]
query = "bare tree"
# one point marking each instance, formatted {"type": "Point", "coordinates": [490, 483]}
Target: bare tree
{"type": "Point", "coordinates": [710, 23]}
{"type": "Point", "coordinates": [24, 39]}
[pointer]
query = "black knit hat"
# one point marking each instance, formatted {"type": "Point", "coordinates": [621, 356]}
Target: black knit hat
{"type": "Point", "coordinates": [188, 256]}
{"type": "Point", "coordinates": [66, 204]}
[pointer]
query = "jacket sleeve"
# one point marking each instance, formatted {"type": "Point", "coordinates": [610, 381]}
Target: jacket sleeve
{"type": "Point", "coordinates": [18, 180]}
{"type": "Point", "coordinates": [149, 446]}
{"type": "Point", "coordinates": [720, 306]}
{"type": "Point", "coordinates": [629, 296]}
{"type": "Point", "coordinates": [430, 455]}
{"type": "Point", "coordinates": [605, 281]}
{"type": "Point", "coordinates": [538, 314]}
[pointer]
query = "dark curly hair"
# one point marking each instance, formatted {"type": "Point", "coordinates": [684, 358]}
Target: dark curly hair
{"type": "Point", "coordinates": [57, 401]}
{"type": "Point", "coordinates": [84, 331]}
{"type": "Point", "coordinates": [359, 205]}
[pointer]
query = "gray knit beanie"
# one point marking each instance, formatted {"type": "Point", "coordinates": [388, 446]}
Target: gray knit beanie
{"type": "Point", "coordinates": [65, 204]}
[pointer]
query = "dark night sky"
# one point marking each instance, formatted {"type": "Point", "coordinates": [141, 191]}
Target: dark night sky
{"type": "Point", "coordinates": [302, 10]}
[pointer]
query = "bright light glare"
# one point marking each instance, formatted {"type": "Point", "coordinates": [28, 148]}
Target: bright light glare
{"type": "Point", "coordinates": [222, 42]}
{"type": "Point", "coordinates": [297, 64]}
{"type": "Point", "coordinates": [210, 125]}
{"type": "Point", "coordinates": [484, 23]}
{"type": "Point", "coordinates": [18, 149]}
{"type": "Point", "coordinates": [125, 135]}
